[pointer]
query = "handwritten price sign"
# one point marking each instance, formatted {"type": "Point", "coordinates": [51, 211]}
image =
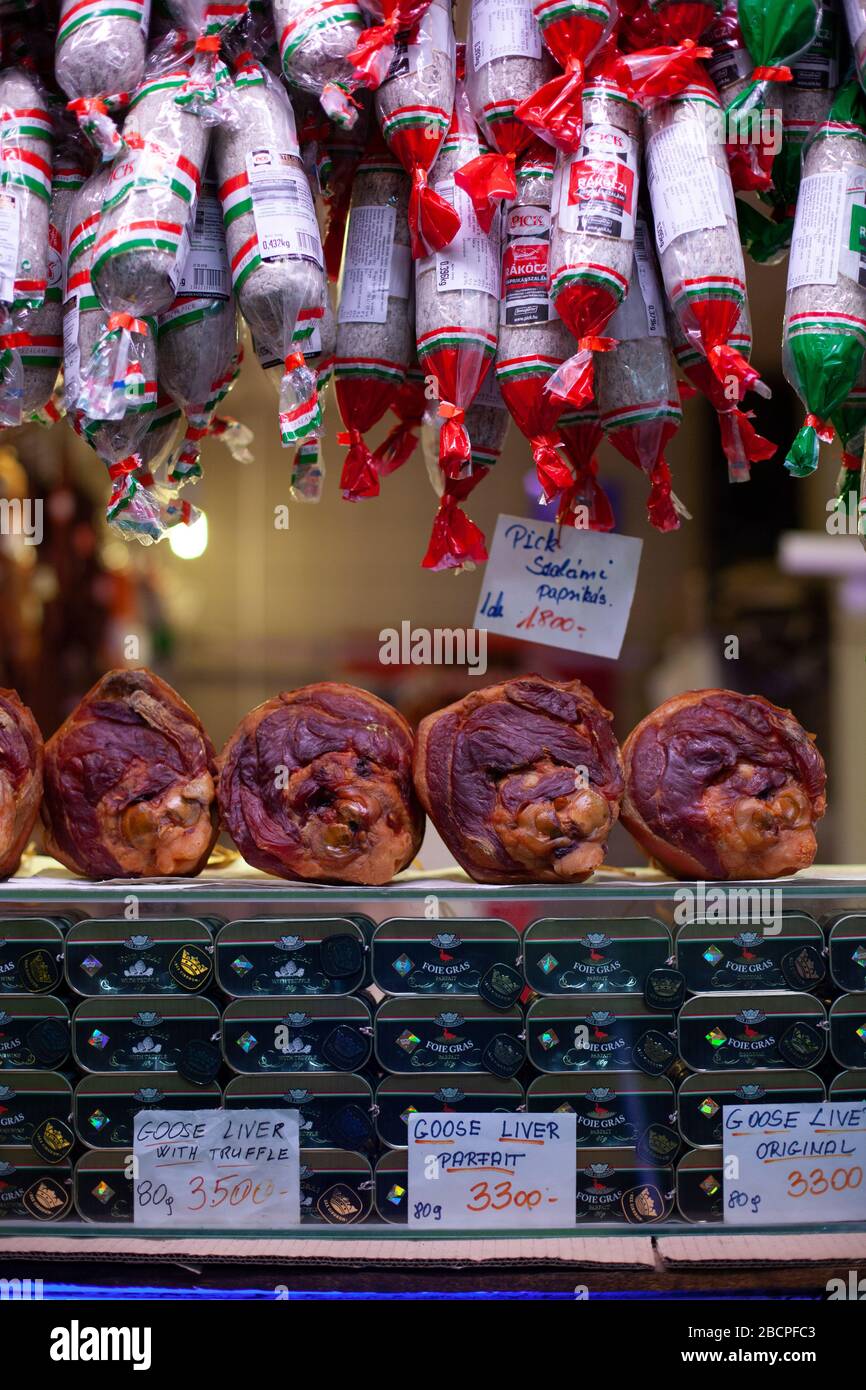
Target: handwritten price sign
{"type": "Point", "coordinates": [487, 1171]}
{"type": "Point", "coordinates": [794, 1164]}
{"type": "Point", "coordinates": [217, 1168]}
{"type": "Point", "coordinates": [561, 586]}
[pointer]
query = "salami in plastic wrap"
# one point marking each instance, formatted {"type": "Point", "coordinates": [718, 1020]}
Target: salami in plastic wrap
{"type": "Point", "coordinates": [774, 32]}
{"type": "Point", "coordinates": [206, 24]}
{"type": "Point", "coordinates": [741, 443]}
{"type": "Point", "coordinates": [21, 760]}
{"type": "Point", "coordinates": [99, 61]}
{"type": "Point", "coordinates": [730, 69]}
{"type": "Point", "coordinates": [696, 230]}
{"type": "Point", "coordinates": [721, 785]}
{"type": "Point", "coordinates": [317, 784]}
{"type": "Point", "coordinates": [457, 318]}
{"type": "Point", "coordinates": [585, 505]}
{"type": "Point", "coordinates": [338, 152]}
{"type": "Point", "coordinates": [130, 783]}
{"type": "Point", "coordinates": [274, 247]}
{"type": "Point", "coordinates": [316, 38]}
{"type": "Point", "coordinates": [319, 348]}
{"type": "Point", "coordinates": [455, 540]}
{"type": "Point", "coordinates": [143, 234]}
{"type": "Point", "coordinates": [42, 354]}
{"type": "Point", "coordinates": [373, 55]}
{"type": "Point", "coordinates": [592, 234]}
{"type": "Point", "coordinates": [533, 340]}
{"type": "Point", "coordinates": [374, 321]}
{"type": "Point", "coordinates": [505, 63]}
{"type": "Point", "coordinates": [825, 307]}
{"type": "Point", "coordinates": [25, 185]}
{"type": "Point", "coordinates": [572, 30]}
{"type": "Point", "coordinates": [522, 780]}
{"type": "Point", "coordinates": [413, 107]}
{"type": "Point", "coordinates": [410, 406]}
{"type": "Point", "coordinates": [636, 384]}
{"type": "Point", "coordinates": [197, 340]}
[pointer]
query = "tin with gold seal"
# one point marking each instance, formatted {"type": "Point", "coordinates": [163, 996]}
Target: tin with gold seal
{"type": "Point", "coordinates": [718, 1032]}
{"type": "Point", "coordinates": [31, 956]}
{"type": "Point", "coordinates": [34, 1032]}
{"type": "Point", "coordinates": [32, 1189]}
{"type": "Point", "coordinates": [104, 1106]}
{"type": "Point", "coordinates": [151, 1033]}
{"type": "Point", "coordinates": [617, 1185]}
{"type": "Point", "coordinates": [34, 1102]}
{"type": "Point", "coordinates": [613, 1109]}
{"type": "Point", "coordinates": [317, 1033]}
{"type": "Point", "coordinates": [335, 1109]}
{"type": "Point", "coordinates": [700, 1186]}
{"type": "Point", "coordinates": [846, 945]}
{"type": "Point", "coordinates": [298, 956]}
{"type": "Point", "coordinates": [848, 1031]}
{"type": "Point", "coordinates": [336, 1187]}
{"type": "Point", "coordinates": [702, 1098]}
{"type": "Point", "coordinates": [111, 956]}
{"type": "Point", "coordinates": [412, 956]}
{"type": "Point", "coordinates": [400, 1097]}
{"type": "Point", "coordinates": [444, 1034]}
{"type": "Point", "coordinates": [786, 954]}
{"type": "Point", "coordinates": [102, 1189]}
{"type": "Point", "coordinates": [617, 1032]}
{"type": "Point", "coordinates": [580, 956]}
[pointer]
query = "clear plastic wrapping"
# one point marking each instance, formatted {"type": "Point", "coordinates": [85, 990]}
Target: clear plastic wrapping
{"type": "Point", "coordinates": [457, 301]}
{"type": "Point", "coordinates": [25, 181]}
{"type": "Point", "coordinates": [825, 305]}
{"type": "Point", "coordinates": [42, 355]}
{"type": "Point", "coordinates": [855, 20]}
{"type": "Point", "coordinates": [533, 340]}
{"type": "Point", "coordinates": [316, 38]}
{"type": "Point", "coordinates": [99, 61]}
{"type": "Point", "coordinates": [413, 107]}
{"type": "Point", "coordinates": [636, 385]}
{"type": "Point", "coordinates": [572, 30]}
{"type": "Point", "coordinates": [375, 329]}
{"type": "Point", "coordinates": [274, 246]}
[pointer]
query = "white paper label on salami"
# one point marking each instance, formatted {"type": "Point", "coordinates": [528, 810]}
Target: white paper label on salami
{"type": "Point", "coordinates": [366, 281]}
{"type": "Point", "coordinates": [855, 18]}
{"type": "Point", "coordinates": [10, 216]}
{"type": "Point", "coordinates": [818, 230]}
{"type": "Point", "coordinates": [683, 182]}
{"type": "Point", "coordinates": [852, 261]}
{"type": "Point", "coordinates": [283, 207]}
{"type": "Point", "coordinates": [503, 29]}
{"type": "Point", "coordinates": [71, 352]}
{"type": "Point", "coordinates": [599, 183]}
{"type": "Point", "coordinates": [641, 314]}
{"type": "Point", "coordinates": [524, 297]}
{"type": "Point", "coordinates": [471, 262]}
{"type": "Point", "coordinates": [205, 270]}
{"type": "Point", "coordinates": [728, 65]}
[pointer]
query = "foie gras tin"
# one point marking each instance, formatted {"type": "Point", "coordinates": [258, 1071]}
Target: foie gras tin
{"type": "Point", "coordinates": [30, 1188]}
{"type": "Point", "coordinates": [848, 1031]}
{"type": "Point", "coordinates": [700, 1185]}
{"type": "Point", "coordinates": [34, 1032]}
{"type": "Point", "coordinates": [450, 956]}
{"type": "Point", "coordinates": [105, 1106]}
{"type": "Point", "coordinates": [849, 1085]}
{"type": "Point", "coordinates": [152, 1033]}
{"type": "Point", "coordinates": [846, 947]}
{"type": "Point", "coordinates": [103, 1191]}
{"type": "Point", "coordinates": [786, 955]}
{"type": "Point", "coordinates": [618, 1032]}
{"type": "Point", "coordinates": [622, 1109]}
{"type": "Point", "coordinates": [582, 956]}
{"type": "Point", "coordinates": [31, 955]}
{"type": "Point", "coordinates": [336, 1187]}
{"type": "Point", "coordinates": [445, 1034]}
{"type": "Point", "coordinates": [317, 1033]}
{"type": "Point", "coordinates": [111, 956]}
{"type": "Point", "coordinates": [722, 1031]}
{"type": "Point", "coordinates": [398, 1098]}
{"type": "Point", "coordinates": [701, 1098]}
{"type": "Point", "coordinates": [334, 1108]}
{"type": "Point", "coordinates": [34, 1102]}
{"type": "Point", "coordinates": [273, 956]}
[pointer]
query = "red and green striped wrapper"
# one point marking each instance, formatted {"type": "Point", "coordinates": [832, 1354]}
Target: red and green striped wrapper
{"type": "Point", "coordinates": [459, 359]}
{"type": "Point", "coordinates": [585, 505]}
{"type": "Point", "coordinates": [586, 296]}
{"type": "Point", "coordinates": [641, 432]}
{"type": "Point", "coordinates": [76, 15]}
{"type": "Point", "coordinates": [522, 381]}
{"type": "Point", "coordinates": [825, 352]}
{"type": "Point", "coordinates": [741, 443]}
{"type": "Point", "coordinates": [366, 388]}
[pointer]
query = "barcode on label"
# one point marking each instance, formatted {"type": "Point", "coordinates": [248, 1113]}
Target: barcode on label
{"type": "Point", "coordinates": [206, 277]}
